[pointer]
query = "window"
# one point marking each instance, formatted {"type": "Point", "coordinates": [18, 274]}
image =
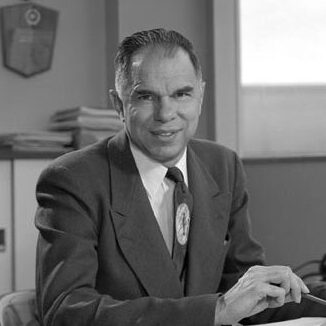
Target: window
{"type": "Point", "coordinates": [283, 42]}
{"type": "Point", "coordinates": [282, 93]}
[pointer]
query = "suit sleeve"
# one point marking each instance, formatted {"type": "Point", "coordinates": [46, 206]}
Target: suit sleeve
{"type": "Point", "coordinates": [67, 266]}
{"type": "Point", "coordinates": [244, 250]}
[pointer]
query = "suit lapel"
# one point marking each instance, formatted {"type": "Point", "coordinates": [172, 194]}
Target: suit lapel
{"type": "Point", "coordinates": [137, 230]}
{"type": "Point", "coordinates": [207, 230]}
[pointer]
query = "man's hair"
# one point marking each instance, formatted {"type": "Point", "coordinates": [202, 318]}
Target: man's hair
{"type": "Point", "coordinates": [170, 41]}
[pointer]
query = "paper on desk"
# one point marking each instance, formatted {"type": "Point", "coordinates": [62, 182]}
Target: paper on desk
{"type": "Point", "coordinates": [305, 321]}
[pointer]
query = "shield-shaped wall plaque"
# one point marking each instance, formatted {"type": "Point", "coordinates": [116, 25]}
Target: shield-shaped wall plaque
{"type": "Point", "coordinates": [28, 37]}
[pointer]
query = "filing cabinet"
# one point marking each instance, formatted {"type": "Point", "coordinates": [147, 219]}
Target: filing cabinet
{"type": "Point", "coordinates": [18, 177]}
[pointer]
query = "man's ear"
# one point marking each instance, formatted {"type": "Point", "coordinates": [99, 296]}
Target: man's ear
{"type": "Point", "coordinates": [202, 87]}
{"type": "Point", "coordinates": [202, 91]}
{"type": "Point", "coordinates": [117, 103]}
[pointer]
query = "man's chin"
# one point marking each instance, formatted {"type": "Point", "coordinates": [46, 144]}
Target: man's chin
{"type": "Point", "coordinates": [168, 158]}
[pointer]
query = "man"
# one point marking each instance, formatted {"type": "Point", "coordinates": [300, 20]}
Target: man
{"type": "Point", "coordinates": [108, 251]}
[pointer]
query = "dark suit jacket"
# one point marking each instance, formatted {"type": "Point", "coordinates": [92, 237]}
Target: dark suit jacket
{"type": "Point", "coordinates": [101, 258]}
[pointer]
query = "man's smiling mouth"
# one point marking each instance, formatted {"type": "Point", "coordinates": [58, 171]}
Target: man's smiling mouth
{"type": "Point", "coordinates": [165, 133]}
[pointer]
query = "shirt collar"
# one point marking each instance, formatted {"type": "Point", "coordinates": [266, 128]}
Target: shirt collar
{"type": "Point", "coordinates": [153, 173]}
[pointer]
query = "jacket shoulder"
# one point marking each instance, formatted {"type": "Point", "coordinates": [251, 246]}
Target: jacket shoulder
{"type": "Point", "coordinates": [91, 155]}
{"type": "Point", "coordinates": [85, 163]}
{"type": "Point", "coordinates": [222, 163]}
{"type": "Point", "coordinates": [211, 152]}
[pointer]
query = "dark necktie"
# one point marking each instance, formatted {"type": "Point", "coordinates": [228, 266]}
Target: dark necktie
{"type": "Point", "coordinates": [182, 214]}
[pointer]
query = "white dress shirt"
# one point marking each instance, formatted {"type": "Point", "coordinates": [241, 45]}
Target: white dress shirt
{"type": "Point", "coordinates": [159, 190]}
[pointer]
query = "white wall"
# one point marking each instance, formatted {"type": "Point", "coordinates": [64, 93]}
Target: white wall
{"type": "Point", "coordinates": [77, 76]}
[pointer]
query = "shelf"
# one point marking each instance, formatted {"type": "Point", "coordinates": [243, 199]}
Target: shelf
{"type": "Point", "coordinates": [6, 154]}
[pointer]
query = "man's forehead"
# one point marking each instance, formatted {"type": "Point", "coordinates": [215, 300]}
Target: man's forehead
{"type": "Point", "coordinates": [154, 70]}
{"type": "Point", "coordinates": [157, 54]}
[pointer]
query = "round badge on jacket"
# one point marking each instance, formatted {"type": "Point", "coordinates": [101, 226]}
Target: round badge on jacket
{"type": "Point", "coordinates": [182, 222]}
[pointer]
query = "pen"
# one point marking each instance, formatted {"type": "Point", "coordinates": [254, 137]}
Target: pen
{"type": "Point", "coordinates": [313, 298]}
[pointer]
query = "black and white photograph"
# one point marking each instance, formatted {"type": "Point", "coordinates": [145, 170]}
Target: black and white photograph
{"type": "Point", "coordinates": [162, 163]}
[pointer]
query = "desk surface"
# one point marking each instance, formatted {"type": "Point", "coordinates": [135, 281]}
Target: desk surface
{"type": "Point", "coordinates": [305, 321]}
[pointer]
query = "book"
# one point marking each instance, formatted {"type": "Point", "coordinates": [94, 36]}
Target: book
{"type": "Point", "coordinates": [36, 137]}
{"type": "Point", "coordinates": [83, 137]}
{"type": "Point", "coordinates": [87, 122]}
{"type": "Point", "coordinates": [38, 141]}
{"type": "Point", "coordinates": [73, 113]}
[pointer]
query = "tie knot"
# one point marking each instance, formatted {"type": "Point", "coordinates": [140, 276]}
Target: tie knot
{"type": "Point", "coordinates": [175, 174]}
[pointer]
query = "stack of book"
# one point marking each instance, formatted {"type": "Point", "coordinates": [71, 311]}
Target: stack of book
{"type": "Point", "coordinates": [87, 124]}
{"type": "Point", "coordinates": [37, 141]}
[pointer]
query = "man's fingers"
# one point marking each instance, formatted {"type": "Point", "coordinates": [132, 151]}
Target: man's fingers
{"type": "Point", "coordinates": [283, 277]}
{"type": "Point", "coordinates": [262, 287]}
{"type": "Point", "coordinates": [297, 289]}
{"type": "Point", "coordinates": [303, 286]}
{"type": "Point", "coordinates": [280, 276]}
{"type": "Point", "coordinates": [275, 296]}
{"type": "Point", "coordinates": [291, 283]}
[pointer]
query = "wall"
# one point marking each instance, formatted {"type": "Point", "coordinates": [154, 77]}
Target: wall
{"type": "Point", "coordinates": [82, 70]}
{"type": "Point", "coordinates": [226, 71]}
{"type": "Point", "coordinates": [77, 76]}
{"type": "Point", "coordinates": [287, 204]}
{"type": "Point", "coordinates": [282, 120]}
{"type": "Point", "coordinates": [191, 18]}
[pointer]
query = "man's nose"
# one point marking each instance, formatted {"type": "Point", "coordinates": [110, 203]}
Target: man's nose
{"type": "Point", "coordinates": [165, 110]}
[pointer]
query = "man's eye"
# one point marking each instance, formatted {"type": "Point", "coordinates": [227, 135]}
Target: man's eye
{"type": "Point", "coordinates": [145, 97]}
{"type": "Point", "coordinates": [182, 95]}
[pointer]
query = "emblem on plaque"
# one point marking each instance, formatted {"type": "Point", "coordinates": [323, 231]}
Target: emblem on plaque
{"type": "Point", "coordinates": [28, 38]}
{"type": "Point", "coordinates": [182, 222]}
{"type": "Point", "coordinates": [32, 17]}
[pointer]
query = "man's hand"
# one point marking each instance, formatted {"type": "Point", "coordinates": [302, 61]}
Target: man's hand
{"type": "Point", "coordinates": [259, 288]}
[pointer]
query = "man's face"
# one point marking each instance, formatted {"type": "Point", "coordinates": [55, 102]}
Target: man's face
{"type": "Point", "coordinates": [162, 103]}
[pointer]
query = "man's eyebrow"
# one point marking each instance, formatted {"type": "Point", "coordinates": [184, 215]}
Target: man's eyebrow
{"type": "Point", "coordinates": [142, 91]}
{"type": "Point", "coordinates": [146, 91]}
{"type": "Point", "coordinates": [185, 89]}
